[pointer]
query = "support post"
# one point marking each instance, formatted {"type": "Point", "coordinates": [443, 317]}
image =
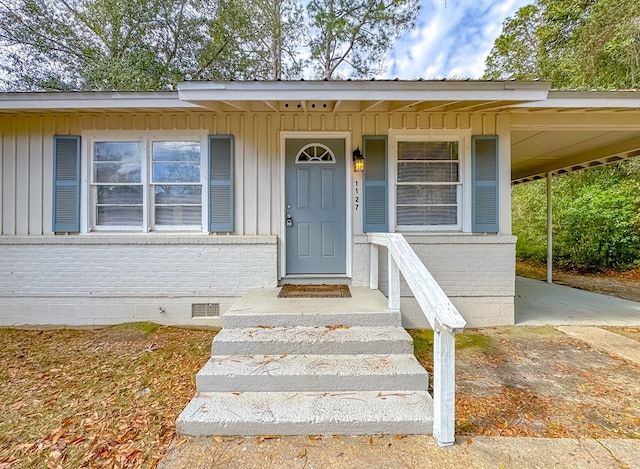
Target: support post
{"type": "Point", "coordinates": [444, 387]}
{"type": "Point", "coordinates": [549, 229]}
{"type": "Point", "coordinates": [373, 266]}
{"type": "Point", "coordinates": [394, 284]}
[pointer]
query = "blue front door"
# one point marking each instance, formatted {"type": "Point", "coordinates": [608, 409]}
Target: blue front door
{"type": "Point", "coordinates": [315, 206]}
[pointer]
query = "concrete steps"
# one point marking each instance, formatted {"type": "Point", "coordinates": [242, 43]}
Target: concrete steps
{"type": "Point", "coordinates": [328, 413]}
{"type": "Point", "coordinates": [311, 340]}
{"type": "Point", "coordinates": [313, 373]}
{"type": "Point", "coordinates": [330, 366]}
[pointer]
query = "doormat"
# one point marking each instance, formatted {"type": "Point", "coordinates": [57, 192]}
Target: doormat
{"type": "Point", "coordinates": [314, 291]}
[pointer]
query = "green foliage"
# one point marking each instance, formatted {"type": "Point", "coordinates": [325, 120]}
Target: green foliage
{"type": "Point", "coordinates": [153, 44]}
{"type": "Point", "coordinates": [352, 37]}
{"type": "Point", "coordinates": [529, 218]}
{"type": "Point", "coordinates": [516, 49]}
{"type": "Point", "coordinates": [573, 43]}
{"type": "Point", "coordinates": [596, 218]}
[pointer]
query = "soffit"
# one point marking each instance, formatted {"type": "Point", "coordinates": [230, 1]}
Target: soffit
{"type": "Point", "coordinates": [573, 130]}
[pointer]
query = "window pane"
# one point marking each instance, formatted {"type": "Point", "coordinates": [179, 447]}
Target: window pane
{"type": "Point", "coordinates": [423, 194]}
{"type": "Point", "coordinates": [428, 176]}
{"type": "Point", "coordinates": [176, 151]}
{"type": "Point", "coordinates": [117, 162]}
{"type": "Point", "coordinates": [429, 215]}
{"type": "Point", "coordinates": [427, 150]}
{"type": "Point", "coordinates": [173, 171]}
{"type": "Point", "coordinates": [116, 173]}
{"type": "Point", "coordinates": [427, 172]}
{"type": "Point", "coordinates": [121, 152]}
{"type": "Point", "coordinates": [176, 162]}
{"type": "Point", "coordinates": [119, 215]}
{"type": "Point", "coordinates": [178, 194]}
{"type": "Point", "coordinates": [179, 215]}
{"type": "Point", "coordinates": [119, 195]}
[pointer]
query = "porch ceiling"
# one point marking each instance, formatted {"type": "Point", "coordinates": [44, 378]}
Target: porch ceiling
{"type": "Point", "coordinates": [573, 130]}
{"type": "Point", "coordinates": [535, 152]}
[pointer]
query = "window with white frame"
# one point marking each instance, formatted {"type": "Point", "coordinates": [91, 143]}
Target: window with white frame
{"type": "Point", "coordinates": [428, 184]}
{"type": "Point", "coordinates": [137, 184]}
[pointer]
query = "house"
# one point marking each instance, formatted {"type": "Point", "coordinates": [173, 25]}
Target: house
{"type": "Point", "coordinates": [169, 206]}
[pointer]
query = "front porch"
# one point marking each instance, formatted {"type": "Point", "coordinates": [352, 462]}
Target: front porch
{"type": "Point", "coordinates": [330, 366]}
{"type": "Point", "coordinates": [310, 366]}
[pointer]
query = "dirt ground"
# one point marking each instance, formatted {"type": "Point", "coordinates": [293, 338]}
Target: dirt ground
{"type": "Point", "coordinates": [540, 382]}
{"type": "Point", "coordinates": [621, 284]}
{"type": "Point", "coordinates": [537, 381]}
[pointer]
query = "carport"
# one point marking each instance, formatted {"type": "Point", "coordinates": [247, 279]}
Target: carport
{"type": "Point", "coordinates": [570, 131]}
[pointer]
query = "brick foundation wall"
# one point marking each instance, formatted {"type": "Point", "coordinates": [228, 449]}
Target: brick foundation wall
{"type": "Point", "coordinates": [105, 279]}
{"type": "Point", "coordinates": [477, 272]}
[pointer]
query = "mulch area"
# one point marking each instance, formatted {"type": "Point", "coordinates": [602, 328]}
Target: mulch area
{"type": "Point", "coordinates": [109, 397]}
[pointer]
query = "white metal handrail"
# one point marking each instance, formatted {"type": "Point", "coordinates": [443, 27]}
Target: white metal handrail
{"type": "Point", "coordinates": [442, 315]}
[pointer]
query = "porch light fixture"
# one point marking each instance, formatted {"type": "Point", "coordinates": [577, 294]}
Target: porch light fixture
{"type": "Point", "coordinates": [358, 160]}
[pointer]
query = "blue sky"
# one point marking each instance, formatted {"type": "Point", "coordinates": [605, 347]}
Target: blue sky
{"type": "Point", "coordinates": [452, 39]}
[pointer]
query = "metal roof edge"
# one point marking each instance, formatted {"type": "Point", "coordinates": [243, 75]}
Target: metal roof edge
{"type": "Point", "coordinates": [78, 100]}
{"type": "Point", "coordinates": [586, 99]}
{"type": "Point", "coordinates": [363, 90]}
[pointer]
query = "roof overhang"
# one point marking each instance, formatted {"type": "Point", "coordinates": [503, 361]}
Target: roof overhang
{"type": "Point", "coordinates": [92, 101]}
{"type": "Point", "coordinates": [551, 131]}
{"type": "Point", "coordinates": [361, 96]}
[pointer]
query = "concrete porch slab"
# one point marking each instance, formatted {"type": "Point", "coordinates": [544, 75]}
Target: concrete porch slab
{"type": "Point", "coordinates": [366, 307]}
{"type": "Point", "coordinates": [540, 303]}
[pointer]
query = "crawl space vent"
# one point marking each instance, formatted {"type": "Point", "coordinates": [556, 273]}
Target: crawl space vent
{"type": "Point", "coordinates": [205, 310]}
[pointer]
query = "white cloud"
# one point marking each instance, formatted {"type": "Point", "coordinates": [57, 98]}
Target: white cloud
{"type": "Point", "coordinates": [452, 39]}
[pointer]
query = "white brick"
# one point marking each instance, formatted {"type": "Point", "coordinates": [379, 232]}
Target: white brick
{"type": "Point", "coordinates": [471, 269]}
{"type": "Point", "coordinates": [107, 279]}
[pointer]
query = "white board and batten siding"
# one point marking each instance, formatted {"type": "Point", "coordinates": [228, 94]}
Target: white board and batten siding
{"type": "Point", "coordinates": [26, 155]}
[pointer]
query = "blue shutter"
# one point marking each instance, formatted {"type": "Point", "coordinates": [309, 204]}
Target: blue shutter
{"type": "Point", "coordinates": [374, 148]}
{"type": "Point", "coordinates": [221, 183]}
{"type": "Point", "coordinates": [66, 183]}
{"type": "Point", "coordinates": [484, 155]}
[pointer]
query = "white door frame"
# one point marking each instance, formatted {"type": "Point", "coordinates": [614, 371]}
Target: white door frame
{"type": "Point", "coordinates": [284, 135]}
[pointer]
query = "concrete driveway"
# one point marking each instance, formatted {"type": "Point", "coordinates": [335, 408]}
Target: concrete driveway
{"type": "Point", "coordinates": [539, 303]}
